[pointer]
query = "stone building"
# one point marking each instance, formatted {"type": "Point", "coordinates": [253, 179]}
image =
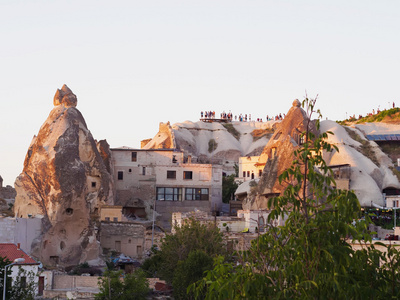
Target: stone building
{"type": "Point", "coordinates": [123, 237]}
{"type": "Point", "coordinates": [249, 168]}
{"type": "Point", "coordinates": [166, 180]}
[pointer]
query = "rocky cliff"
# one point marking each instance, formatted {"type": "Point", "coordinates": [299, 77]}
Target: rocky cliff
{"type": "Point", "coordinates": [277, 155]}
{"type": "Point", "coordinates": [65, 179]}
{"type": "Point", "coordinates": [214, 142]}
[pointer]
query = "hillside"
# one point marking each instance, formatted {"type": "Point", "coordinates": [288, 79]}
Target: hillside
{"type": "Point", "coordinates": [214, 141]}
{"type": "Point", "coordinates": [372, 167]}
{"type": "Point", "coordinates": [386, 116]}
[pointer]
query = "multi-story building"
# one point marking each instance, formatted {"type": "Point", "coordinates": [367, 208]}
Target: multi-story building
{"type": "Point", "coordinates": [249, 168]}
{"type": "Point", "coordinates": [165, 180]}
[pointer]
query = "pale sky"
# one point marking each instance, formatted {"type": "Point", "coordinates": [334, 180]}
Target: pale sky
{"type": "Point", "coordinates": [133, 64]}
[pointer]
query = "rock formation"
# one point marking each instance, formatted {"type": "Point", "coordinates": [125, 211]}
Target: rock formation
{"type": "Point", "coordinates": [277, 156]}
{"type": "Point", "coordinates": [229, 141]}
{"type": "Point", "coordinates": [66, 178]}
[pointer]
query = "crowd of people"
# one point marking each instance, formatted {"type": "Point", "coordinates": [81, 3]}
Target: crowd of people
{"type": "Point", "coordinates": [209, 115]}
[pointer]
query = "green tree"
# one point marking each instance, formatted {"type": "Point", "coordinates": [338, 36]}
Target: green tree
{"type": "Point", "coordinates": [114, 285]}
{"type": "Point", "coordinates": [189, 271]}
{"type": "Point", "coordinates": [189, 237]}
{"type": "Point", "coordinates": [24, 286]}
{"type": "Point", "coordinates": [3, 262]}
{"type": "Point", "coordinates": [193, 245]}
{"type": "Point", "coordinates": [308, 257]}
{"type": "Point", "coordinates": [229, 187]}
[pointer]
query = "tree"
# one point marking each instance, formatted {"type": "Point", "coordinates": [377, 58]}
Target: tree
{"type": "Point", "coordinates": [189, 271]}
{"type": "Point", "coordinates": [114, 285]}
{"type": "Point", "coordinates": [3, 262]}
{"type": "Point", "coordinates": [308, 257]}
{"type": "Point", "coordinates": [24, 286]}
{"type": "Point", "coordinates": [229, 187]}
{"type": "Point", "coordinates": [192, 246]}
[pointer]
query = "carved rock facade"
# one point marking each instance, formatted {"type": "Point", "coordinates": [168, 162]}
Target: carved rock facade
{"type": "Point", "coordinates": [277, 156]}
{"type": "Point", "coordinates": [65, 180]}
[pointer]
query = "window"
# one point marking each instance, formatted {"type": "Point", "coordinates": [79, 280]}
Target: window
{"type": "Point", "coordinates": [107, 218]}
{"type": "Point", "coordinates": [252, 175]}
{"type": "Point", "coordinates": [259, 173]}
{"type": "Point", "coordinates": [169, 194]}
{"type": "Point", "coordinates": [115, 219]}
{"type": "Point", "coordinates": [187, 175]}
{"type": "Point", "coordinates": [174, 160]}
{"type": "Point", "coordinates": [134, 156]}
{"type": "Point", "coordinates": [130, 170]}
{"type": "Point", "coordinates": [196, 194]}
{"type": "Point", "coordinates": [248, 173]}
{"type": "Point", "coordinates": [171, 174]}
{"type": "Point", "coordinates": [143, 170]}
{"type": "Point", "coordinates": [261, 224]}
{"type": "Point", "coordinates": [23, 282]}
{"type": "Point", "coordinates": [244, 173]}
{"type": "Point", "coordinates": [120, 175]}
{"type": "Point", "coordinates": [93, 184]}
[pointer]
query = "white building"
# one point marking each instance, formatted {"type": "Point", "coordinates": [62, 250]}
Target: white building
{"type": "Point", "coordinates": [164, 178]}
{"type": "Point", "coordinates": [29, 266]}
{"type": "Point", "coordinates": [249, 168]}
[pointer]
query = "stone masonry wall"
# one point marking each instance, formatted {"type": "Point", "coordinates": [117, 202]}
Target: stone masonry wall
{"type": "Point", "coordinates": [64, 282]}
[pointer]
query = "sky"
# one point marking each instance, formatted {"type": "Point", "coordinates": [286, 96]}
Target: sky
{"type": "Point", "coordinates": [133, 64]}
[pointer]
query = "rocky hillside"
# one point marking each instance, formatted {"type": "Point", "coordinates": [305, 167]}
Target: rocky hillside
{"type": "Point", "coordinates": [372, 166]}
{"type": "Point", "coordinates": [216, 142]}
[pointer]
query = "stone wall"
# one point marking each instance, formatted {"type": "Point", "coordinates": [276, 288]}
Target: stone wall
{"type": "Point", "coordinates": [20, 230]}
{"type": "Point", "coordinates": [126, 238]}
{"type": "Point", "coordinates": [166, 208]}
{"type": "Point", "coordinates": [67, 282]}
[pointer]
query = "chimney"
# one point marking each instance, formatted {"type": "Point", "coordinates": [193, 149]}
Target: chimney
{"type": "Point", "coordinates": [18, 246]}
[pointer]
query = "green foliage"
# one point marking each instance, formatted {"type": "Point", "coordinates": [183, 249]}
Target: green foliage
{"type": "Point", "coordinates": [191, 236]}
{"type": "Point", "coordinates": [236, 167]}
{"type": "Point", "coordinates": [229, 187]}
{"type": "Point", "coordinates": [193, 245]}
{"type": "Point", "coordinates": [114, 285]}
{"type": "Point", "coordinates": [3, 262]}
{"type": "Point", "coordinates": [389, 114]}
{"type": "Point", "coordinates": [189, 271]}
{"type": "Point", "coordinates": [212, 145]}
{"type": "Point", "coordinates": [24, 285]}
{"type": "Point", "coordinates": [232, 130]}
{"type": "Point", "coordinates": [309, 256]}
{"type": "Point", "coordinates": [151, 265]}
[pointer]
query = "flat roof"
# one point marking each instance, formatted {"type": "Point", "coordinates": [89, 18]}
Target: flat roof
{"type": "Point", "coordinates": [383, 137]}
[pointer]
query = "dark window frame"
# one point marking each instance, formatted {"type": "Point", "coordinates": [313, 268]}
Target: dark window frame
{"type": "Point", "coordinates": [169, 194]}
{"type": "Point", "coordinates": [171, 174]}
{"type": "Point", "coordinates": [134, 156]}
{"type": "Point", "coordinates": [197, 194]}
{"type": "Point", "coordinates": [188, 175]}
{"type": "Point", "coordinates": [120, 175]}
